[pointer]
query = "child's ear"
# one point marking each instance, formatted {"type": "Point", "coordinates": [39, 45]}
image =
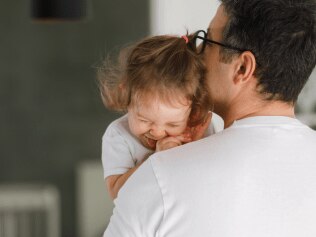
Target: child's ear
{"type": "Point", "coordinates": [245, 67]}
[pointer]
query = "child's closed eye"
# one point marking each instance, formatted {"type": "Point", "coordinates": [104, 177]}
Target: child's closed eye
{"type": "Point", "coordinates": [144, 121]}
{"type": "Point", "coordinates": [174, 125]}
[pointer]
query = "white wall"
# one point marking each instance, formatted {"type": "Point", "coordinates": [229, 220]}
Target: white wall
{"type": "Point", "coordinates": [176, 16]}
{"type": "Point", "coordinates": [94, 203]}
{"type": "Point", "coordinates": [307, 99]}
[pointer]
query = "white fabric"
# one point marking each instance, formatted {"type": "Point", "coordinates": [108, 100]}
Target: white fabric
{"type": "Point", "coordinates": [255, 178]}
{"type": "Point", "coordinates": [121, 150]}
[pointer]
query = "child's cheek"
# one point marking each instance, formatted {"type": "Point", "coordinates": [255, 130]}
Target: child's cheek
{"type": "Point", "coordinates": [141, 129]}
{"type": "Point", "coordinates": [177, 131]}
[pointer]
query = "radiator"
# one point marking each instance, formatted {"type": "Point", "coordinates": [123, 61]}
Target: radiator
{"type": "Point", "coordinates": [29, 211]}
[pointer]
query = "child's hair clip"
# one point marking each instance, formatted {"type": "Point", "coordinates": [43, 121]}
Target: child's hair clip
{"type": "Point", "coordinates": [185, 38]}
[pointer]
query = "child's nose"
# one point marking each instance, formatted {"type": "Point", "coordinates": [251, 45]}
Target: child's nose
{"type": "Point", "coordinates": [158, 132]}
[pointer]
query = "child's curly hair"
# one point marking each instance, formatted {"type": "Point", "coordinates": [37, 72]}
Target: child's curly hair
{"type": "Point", "coordinates": [156, 67]}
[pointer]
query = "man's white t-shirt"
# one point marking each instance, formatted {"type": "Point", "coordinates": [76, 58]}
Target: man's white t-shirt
{"type": "Point", "coordinates": [255, 178]}
{"type": "Point", "coordinates": [121, 150]}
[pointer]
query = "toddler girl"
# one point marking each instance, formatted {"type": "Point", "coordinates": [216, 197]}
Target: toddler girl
{"type": "Point", "coordinates": [159, 83]}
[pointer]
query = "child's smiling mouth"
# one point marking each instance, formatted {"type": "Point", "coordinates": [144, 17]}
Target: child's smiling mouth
{"type": "Point", "coordinates": [151, 142]}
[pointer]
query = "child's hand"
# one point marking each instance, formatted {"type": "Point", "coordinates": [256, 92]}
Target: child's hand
{"type": "Point", "coordinates": [169, 142]}
{"type": "Point", "coordinates": [197, 132]}
{"type": "Point", "coordinates": [189, 135]}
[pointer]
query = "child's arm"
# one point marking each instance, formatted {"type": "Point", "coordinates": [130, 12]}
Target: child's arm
{"type": "Point", "coordinates": [115, 182]}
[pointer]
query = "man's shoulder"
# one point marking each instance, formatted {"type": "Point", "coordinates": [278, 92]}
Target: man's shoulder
{"type": "Point", "coordinates": [240, 141]}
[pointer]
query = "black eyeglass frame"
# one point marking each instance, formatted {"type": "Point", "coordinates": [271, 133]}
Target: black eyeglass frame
{"type": "Point", "coordinates": [206, 40]}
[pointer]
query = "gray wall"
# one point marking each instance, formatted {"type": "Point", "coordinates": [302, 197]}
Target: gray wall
{"type": "Point", "coordinates": [51, 116]}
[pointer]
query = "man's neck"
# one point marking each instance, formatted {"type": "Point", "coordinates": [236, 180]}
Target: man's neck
{"type": "Point", "coordinates": [261, 108]}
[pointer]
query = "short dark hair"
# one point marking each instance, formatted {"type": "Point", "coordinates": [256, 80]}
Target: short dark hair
{"type": "Point", "coordinates": [282, 36]}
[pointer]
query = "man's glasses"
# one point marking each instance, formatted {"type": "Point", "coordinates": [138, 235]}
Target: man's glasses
{"type": "Point", "coordinates": [199, 41]}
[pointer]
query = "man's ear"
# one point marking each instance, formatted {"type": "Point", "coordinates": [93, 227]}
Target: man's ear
{"type": "Point", "coordinates": [245, 67]}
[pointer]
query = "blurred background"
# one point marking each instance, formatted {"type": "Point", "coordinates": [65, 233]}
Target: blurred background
{"type": "Point", "coordinates": [51, 115]}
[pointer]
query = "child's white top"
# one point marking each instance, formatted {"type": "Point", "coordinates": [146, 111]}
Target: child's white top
{"type": "Point", "coordinates": [121, 150]}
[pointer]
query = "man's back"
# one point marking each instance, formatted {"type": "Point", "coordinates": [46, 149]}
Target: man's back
{"type": "Point", "coordinates": [256, 178]}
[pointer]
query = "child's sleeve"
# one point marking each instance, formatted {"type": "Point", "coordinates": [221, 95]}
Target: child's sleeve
{"type": "Point", "coordinates": [116, 154]}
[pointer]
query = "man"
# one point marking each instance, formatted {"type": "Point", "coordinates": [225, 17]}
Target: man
{"type": "Point", "coordinates": [258, 176]}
